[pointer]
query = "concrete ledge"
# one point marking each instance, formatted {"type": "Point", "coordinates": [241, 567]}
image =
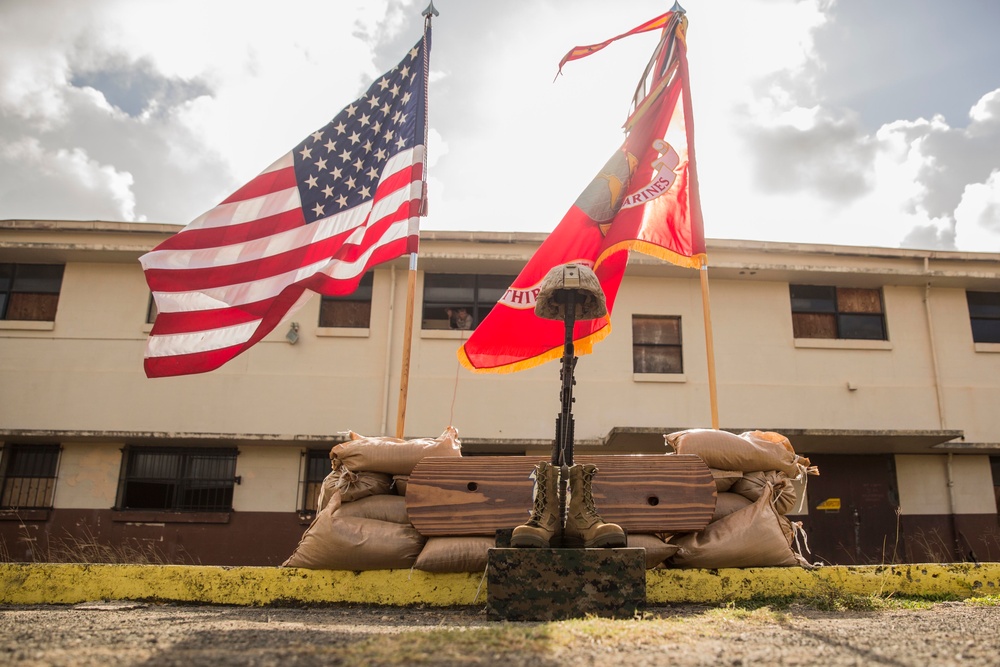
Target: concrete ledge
{"type": "Point", "coordinates": [45, 583]}
{"type": "Point", "coordinates": [958, 580]}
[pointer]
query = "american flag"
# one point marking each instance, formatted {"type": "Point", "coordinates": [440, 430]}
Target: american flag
{"type": "Point", "coordinates": [347, 197]}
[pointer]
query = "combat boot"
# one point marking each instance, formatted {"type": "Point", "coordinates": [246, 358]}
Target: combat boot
{"type": "Point", "coordinates": [543, 528]}
{"type": "Point", "coordinates": [584, 526]}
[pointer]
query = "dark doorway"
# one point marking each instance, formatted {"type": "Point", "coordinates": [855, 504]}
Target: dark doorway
{"type": "Point", "coordinates": [858, 523]}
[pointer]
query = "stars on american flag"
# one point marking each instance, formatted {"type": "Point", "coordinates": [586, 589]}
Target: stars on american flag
{"type": "Point", "coordinates": [339, 166]}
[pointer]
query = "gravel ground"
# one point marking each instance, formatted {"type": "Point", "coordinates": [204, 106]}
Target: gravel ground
{"type": "Point", "coordinates": [946, 633]}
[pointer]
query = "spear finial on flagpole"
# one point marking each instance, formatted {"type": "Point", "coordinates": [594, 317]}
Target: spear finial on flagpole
{"type": "Point", "coordinates": [431, 11]}
{"type": "Point", "coordinates": [676, 8]}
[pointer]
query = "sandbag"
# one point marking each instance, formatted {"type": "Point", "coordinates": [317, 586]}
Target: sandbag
{"type": "Point", "coordinates": [399, 484]}
{"type": "Point", "coordinates": [326, 490]}
{"type": "Point", "coordinates": [657, 550]}
{"type": "Point", "coordinates": [728, 451]}
{"type": "Point", "coordinates": [392, 455]}
{"type": "Point", "coordinates": [356, 485]}
{"type": "Point", "coordinates": [778, 439]}
{"type": "Point", "coordinates": [753, 483]}
{"type": "Point", "coordinates": [726, 503]}
{"type": "Point", "coordinates": [751, 537]}
{"type": "Point", "coordinates": [351, 543]}
{"type": "Point", "coordinates": [724, 479]}
{"type": "Point", "coordinates": [454, 554]}
{"type": "Point", "coordinates": [379, 508]}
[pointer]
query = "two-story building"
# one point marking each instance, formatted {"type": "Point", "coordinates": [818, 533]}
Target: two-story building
{"type": "Point", "coordinates": [881, 365]}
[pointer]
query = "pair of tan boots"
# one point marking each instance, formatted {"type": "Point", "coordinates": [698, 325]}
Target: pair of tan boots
{"type": "Point", "coordinates": [583, 527]}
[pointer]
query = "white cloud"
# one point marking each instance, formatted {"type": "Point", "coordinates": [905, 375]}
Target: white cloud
{"type": "Point", "coordinates": [978, 216]}
{"type": "Point", "coordinates": [70, 177]}
{"type": "Point", "coordinates": [189, 109]}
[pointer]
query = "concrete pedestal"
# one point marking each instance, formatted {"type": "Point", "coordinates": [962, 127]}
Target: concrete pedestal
{"type": "Point", "coordinates": [557, 584]}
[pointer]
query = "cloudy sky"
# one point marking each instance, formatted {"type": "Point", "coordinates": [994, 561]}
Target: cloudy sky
{"type": "Point", "coordinates": [820, 121]}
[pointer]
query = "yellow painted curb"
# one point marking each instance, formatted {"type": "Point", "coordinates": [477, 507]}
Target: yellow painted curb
{"type": "Point", "coordinates": [958, 580]}
{"type": "Point", "coordinates": [47, 583]}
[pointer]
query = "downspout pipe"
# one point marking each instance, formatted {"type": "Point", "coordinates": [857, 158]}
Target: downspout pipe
{"type": "Point", "coordinates": [935, 366]}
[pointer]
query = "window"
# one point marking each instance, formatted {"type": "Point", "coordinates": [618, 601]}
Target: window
{"type": "Point", "coordinates": [351, 310]}
{"type": "Point", "coordinates": [837, 312]}
{"type": "Point", "coordinates": [460, 301]}
{"type": "Point", "coordinates": [656, 344]}
{"type": "Point", "coordinates": [29, 476]}
{"type": "Point", "coordinates": [151, 310]}
{"type": "Point", "coordinates": [995, 467]}
{"type": "Point", "coordinates": [30, 291]}
{"type": "Point", "coordinates": [177, 479]}
{"type": "Point", "coordinates": [984, 313]}
{"type": "Point", "coordinates": [317, 467]}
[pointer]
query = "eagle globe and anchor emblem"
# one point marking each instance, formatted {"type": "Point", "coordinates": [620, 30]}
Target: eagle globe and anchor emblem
{"type": "Point", "coordinates": [606, 194]}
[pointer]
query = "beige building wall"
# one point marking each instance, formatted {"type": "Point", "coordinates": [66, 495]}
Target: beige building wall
{"type": "Point", "coordinates": [85, 370]}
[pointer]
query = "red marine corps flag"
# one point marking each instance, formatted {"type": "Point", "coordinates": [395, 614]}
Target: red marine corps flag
{"type": "Point", "coordinates": [347, 197]}
{"type": "Point", "coordinates": [644, 199]}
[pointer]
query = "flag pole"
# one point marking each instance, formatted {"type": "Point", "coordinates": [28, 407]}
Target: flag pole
{"type": "Point", "coordinates": [709, 347]}
{"type": "Point", "coordinates": [404, 381]}
{"type": "Point", "coordinates": [411, 277]}
{"type": "Point", "coordinates": [713, 397]}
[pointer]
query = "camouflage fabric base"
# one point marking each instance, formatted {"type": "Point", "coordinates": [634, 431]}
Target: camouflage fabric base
{"type": "Point", "coordinates": [557, 584]}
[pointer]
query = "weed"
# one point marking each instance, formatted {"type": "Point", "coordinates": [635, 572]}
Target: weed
{"type": "Point", "coordinates": [985, 601]}
{"type": "Point", "coordinates": [86, 547]}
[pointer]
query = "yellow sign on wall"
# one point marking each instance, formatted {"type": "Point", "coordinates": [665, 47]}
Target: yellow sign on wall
{"type": "Point", "coordinates": [830, 505]}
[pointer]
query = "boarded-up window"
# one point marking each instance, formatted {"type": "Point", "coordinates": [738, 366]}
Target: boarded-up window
{"type": "Point", "coordinates": [351, 311]}
{"type": "Point", "coordinates": [820, 311]}
{"type": "Point", "coordinates": [984, 315]}
{"type": "Point", "coordinates": [29, 476]}
{"type": "Point", "coordinates": [460, 301]}
{"type": "Point", "coordinates": [656, 344]}
{"type": "Point", "coordinates": [30, 291]}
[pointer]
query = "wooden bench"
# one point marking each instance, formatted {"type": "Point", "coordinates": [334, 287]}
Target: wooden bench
{"type": "Point", "coordinates": [480, 495]}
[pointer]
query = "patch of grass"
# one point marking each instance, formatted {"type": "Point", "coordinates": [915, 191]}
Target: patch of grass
{"type": "Point", "coordinates": [985, 601]}
{"type": "Point", "coordinates": [837, 601]}
{"type": "Point", "coordinates": [758, 612]}
{"type": "Point", "coordinates": [549, 642]}
{"type": "Point", "coordinates": [86, 547]}
{"type": "Point", "coordinates": [473, 646]}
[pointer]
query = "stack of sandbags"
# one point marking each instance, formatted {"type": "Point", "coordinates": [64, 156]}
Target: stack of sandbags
{"type": "Point", "coordinates": [753, 474]}
{"type": "Point", "coordinates": [361, 521]}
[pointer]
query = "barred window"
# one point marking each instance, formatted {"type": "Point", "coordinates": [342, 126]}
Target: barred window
{"type": "Point", "coordinates": [460, 301]}
{"type": "Point", "coordinates": [29, 476]}
{"type": "Point", "coordinates": [984, 315]}
{"type": "Point", "coordinates": [656, 344]}
{"type": "Point", "coordinates": [837, 312]}
{"type": "Point", "coordinates": [317, 467]}
{"type": "Point", "coordinates": [30, 291]}
{"type": "Point", "coordinates": [351, 310]}
{"type": "Point", "coordinates": [177, 479]}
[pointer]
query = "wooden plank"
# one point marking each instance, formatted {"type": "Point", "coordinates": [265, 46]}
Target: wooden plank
{"type": "Point", "coordinates": [480, 495]}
